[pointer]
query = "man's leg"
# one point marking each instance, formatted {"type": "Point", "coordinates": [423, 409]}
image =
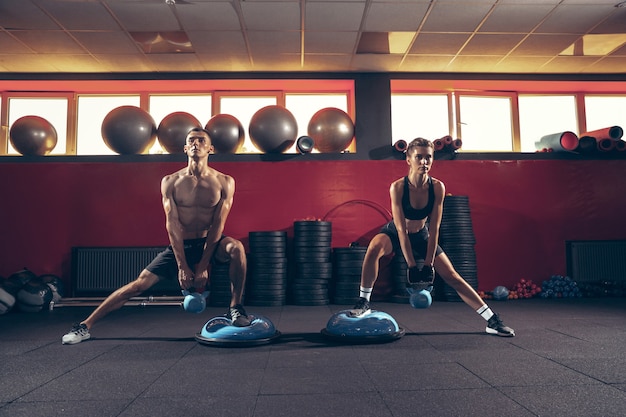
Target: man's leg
{"type": "Point", "coordinates": [113, 302]}
{"type": "Point", "coordinates": [232, 250]}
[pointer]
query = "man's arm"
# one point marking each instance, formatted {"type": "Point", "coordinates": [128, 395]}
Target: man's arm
{"type": "Point", "coordinates": [175, 231]}
{"type": "Point", "coordinates": [218, 222]}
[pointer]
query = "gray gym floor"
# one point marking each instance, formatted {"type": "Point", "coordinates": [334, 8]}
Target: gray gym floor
{"type": "Point", "coordinates": [568, 359]}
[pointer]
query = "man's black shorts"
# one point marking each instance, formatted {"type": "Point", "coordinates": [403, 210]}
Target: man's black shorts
{"type": "Point", "coordinates": [164, 265]}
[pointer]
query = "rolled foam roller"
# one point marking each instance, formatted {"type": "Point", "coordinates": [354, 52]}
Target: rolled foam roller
{"type": "Point", "coordinates": [612, 132]}
{"type": "Point", "coordinates": [562, 141]}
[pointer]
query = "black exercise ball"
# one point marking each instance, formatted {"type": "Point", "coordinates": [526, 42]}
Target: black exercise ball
{"type": "Point", "coordinates": [332, 129]}
{"type": "Point", "coordinates": [128, 130]}
{"type": "Point", "coordinates": [33, 135]}
{"type": "Point", "coordinates": [273, 129]}
{"type": "Point", "coordinates": [226, 132]}
{"type": "Point", "coordinates": [173, 129]}
{"type": "Point", "coordinates": [34, 297]}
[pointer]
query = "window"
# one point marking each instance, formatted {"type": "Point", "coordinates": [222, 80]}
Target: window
{"type": "Point", "coordinates": [541, 115]}
{"type": "Point", "coordinates": [304, 106]}
{"type": "Point", "coordinates": [419, 115]}
{"type": "Point", "coordinates": [53, 109]}
{"type": "Point", "coordinates": [485, 123]}
{"type": "Point", "coordinates": [243, 108]}
{"type": "Point", "coordinates": [198, 106]}
{"type": "Point", "coordinates": [91, 112]}
{"type": "Point", "coordinates": [605, 111]}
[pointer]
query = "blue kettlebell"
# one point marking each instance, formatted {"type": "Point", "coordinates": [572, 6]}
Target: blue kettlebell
{"type": "Point", "coordinates": [194, 302]}
{"type": "Point", "coordinates": [420, 299]}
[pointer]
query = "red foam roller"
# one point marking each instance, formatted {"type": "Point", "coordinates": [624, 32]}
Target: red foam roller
{"type": "Point", "coordinates": [587, 144]}
{"type": "Point", "coordinates": [606, 145]}
{"type": "Point", "coordinates": [439, 144]}
{"type": "Point", "coordinates": [562, 141]}
{"type": "Point", "coordinates": [620, 145]}
{"type": "Point", "coordinates": [400, 145]}
{"type": "Point", "coordinates": [456, 144]}
{"type": "Point", "coordinates": [612, 132]}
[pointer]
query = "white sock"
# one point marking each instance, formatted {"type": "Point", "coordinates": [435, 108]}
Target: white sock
{"type": "Point", "coordinates": [365, 293]}
{"type": "Point", "coordinates": [485, 312]}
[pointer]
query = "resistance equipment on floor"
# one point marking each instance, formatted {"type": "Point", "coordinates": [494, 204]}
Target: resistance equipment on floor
{"type": "Point", "coordinates": [219, 331]}
{"type": "Point", "coordinates": [375, 327]}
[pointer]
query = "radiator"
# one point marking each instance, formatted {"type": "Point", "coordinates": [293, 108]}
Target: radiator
{"type": "Point", "coordinates": [98, 271]}
{"type": "Point", "coordinates": [596, 260]}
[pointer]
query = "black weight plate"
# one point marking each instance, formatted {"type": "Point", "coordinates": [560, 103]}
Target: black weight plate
{"type": "Point", "coordinates": [269, 233]}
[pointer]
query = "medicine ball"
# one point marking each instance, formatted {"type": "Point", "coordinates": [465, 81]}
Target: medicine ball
{"type": "Point", "coordinates": [7, 301]}
{"type": "Point", "coordinates": [34, 297]}
{"type": "Point", "coordinates": [500, 293]}
{"type": "Point", "coordinates": [56, 286]}
{"type": "Point", "coordinates": [17, 280]}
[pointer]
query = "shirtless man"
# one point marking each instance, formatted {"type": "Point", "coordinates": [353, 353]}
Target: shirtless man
{"type": "Point", "coordinates": [196, 200]}
{"type": "Point", "coordinates": [409, 234]}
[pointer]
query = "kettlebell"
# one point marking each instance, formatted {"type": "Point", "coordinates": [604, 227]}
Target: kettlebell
{"type": "Point", "coordinates": [194, 302]}
{"type": "Point", "coordinates": [420, 299]}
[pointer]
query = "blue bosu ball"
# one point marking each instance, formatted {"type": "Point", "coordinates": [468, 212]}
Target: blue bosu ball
{"type": "Point", "coordinates": [376, 326]}
{"type": "Point", "coordinates": [219, 331]}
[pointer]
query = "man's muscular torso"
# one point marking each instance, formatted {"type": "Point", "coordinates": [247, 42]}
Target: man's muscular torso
{"type": "Point", "coordinates": [196, 199]}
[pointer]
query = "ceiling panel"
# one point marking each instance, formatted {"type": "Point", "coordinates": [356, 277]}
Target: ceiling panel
{"type": "Point", "coordinates": [49, 41]}
{"type": "Point", "coordinates": [106, 42]}
{"type": "Point", "coordinates": [447, 17]}
{"type": "Point", "coordinates": [577, 19]}
{"type": "Point", "coordinates": [81, 15]}
{"type": "Point", "coordinates": [526, 18]}
{"type": "Point", "coordinates": [485, 44]}
{"type": "Point", "coordinates": [439, 43]}
{"type": "Point", "coordinates": [145, 16]}
{"type": "Point", "coordinates": [544, 45]}
{"type": "Point", "coordinates": [209, 16]}
{"type": "Point", "coordinates": [274, 42]}
{"type": "Point", "coordinates": [224, 43]}
{"type": "Point", "coordinates": [395, 17]}
{"type": "Point", "coordinates": [330, 42]}
{"type": "Point", "coordinates": [334, 16]}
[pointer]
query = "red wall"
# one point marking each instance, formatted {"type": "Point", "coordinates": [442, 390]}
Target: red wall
{"type": "Point", "coordinates": [522, 211]}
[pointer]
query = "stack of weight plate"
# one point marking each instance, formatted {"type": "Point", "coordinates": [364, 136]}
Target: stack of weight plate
{"type": "Point", "coordinates": [267, 269]}
{"type": "Point", "coordinates": [347, 266]}
{"type": "Point", "coordinates": [456, 237]}
{"type": "Point", "coordinates": [219, 285]}
{"type": "Point", "coordinates": [313, 267]}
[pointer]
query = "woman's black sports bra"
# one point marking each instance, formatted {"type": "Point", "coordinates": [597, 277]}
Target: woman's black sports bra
{"type": "Point", "coordinates": [417, 214]}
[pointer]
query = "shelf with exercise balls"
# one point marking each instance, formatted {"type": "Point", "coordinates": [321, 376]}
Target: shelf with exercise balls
{"type": "Point", "coordinates": [173, 129]}
{"type": "Point", "coordinates": [129, 130]}
{"type": "Point", "coordinates": [33, 135]}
